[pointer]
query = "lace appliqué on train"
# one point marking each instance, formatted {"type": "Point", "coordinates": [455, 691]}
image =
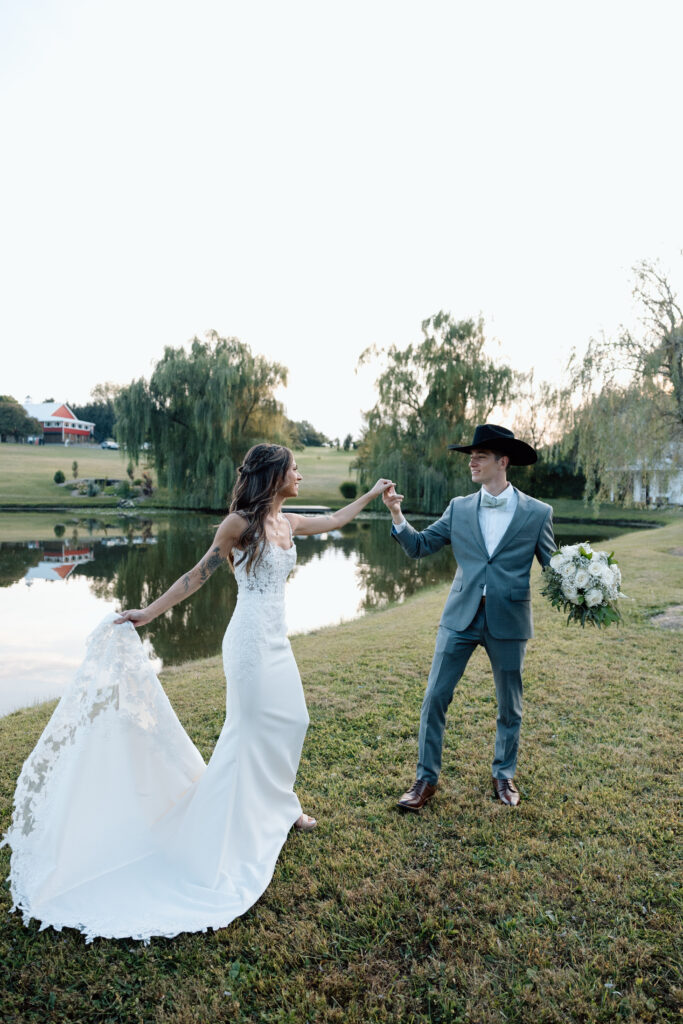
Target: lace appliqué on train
{"type": "Point", "coordinates": [115, 691]}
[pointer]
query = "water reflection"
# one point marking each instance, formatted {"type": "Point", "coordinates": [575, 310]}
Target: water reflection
{"type": "Point", "coordinates": [57, 588]}
{"type": "Point", "coordinates": [58, 561]}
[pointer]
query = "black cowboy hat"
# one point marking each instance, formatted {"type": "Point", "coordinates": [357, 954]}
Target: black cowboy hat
{"type": "Point", "coordinates": [501, 440]}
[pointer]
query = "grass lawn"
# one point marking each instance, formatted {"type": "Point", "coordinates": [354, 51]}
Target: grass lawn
{"type": "Point", "coordinates": [26, 474]}
{"type": "Point", "coordinates": [27, 471]}
{"type": "Point", "coordinates": [564, 910]}
{"type": "Point", "coordinates": [574, 508]}
{"type": "Point", "coordinates": [323, 470]}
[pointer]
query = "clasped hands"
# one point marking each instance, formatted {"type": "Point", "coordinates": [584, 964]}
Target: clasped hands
{"type": "Point", "coordinates": [392, 500]}
{"type": "Point", "coordinates": [387, 489]}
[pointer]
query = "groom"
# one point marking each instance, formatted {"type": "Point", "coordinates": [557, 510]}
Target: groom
{"type": "Point", "coordinates": [494, 535]}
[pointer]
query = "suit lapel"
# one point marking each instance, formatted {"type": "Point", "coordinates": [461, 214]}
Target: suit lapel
{"type": "Point", "coordinates": [522, 513]}
{"type": "Point", "coordinates": [473, 514]}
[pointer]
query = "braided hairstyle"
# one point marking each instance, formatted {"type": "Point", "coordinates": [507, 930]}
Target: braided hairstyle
{"type": "Point", "coordinates": [259, 478]}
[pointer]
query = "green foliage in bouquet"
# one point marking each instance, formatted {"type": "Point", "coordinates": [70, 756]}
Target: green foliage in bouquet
{"type": "Point", "coordinates": [584, 583]}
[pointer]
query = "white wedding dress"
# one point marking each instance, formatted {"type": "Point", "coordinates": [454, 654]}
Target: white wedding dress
{"type": "Point", "coordinates": [119, 828]}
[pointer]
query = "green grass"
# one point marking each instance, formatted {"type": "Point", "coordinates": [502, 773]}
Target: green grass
{"type": "Point", "coordinates": [323, 470]}
{"type": "Point", "coordinates": [564, 910]}
{"type": "Point", "coordinates": [27, 471]}
{"type": "Point", "coordinates": [26, 475]}
{"type": "Point", "coordinates": [572, 508]}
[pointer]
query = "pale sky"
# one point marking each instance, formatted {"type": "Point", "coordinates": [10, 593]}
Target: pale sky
{"type": "Point", "coordinates": [317, 177]}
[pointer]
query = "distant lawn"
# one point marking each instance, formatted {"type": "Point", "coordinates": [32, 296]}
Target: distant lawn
{"type": "Point", "coordinates": [574, 508]}
{"type": "Point", "coordinates": [26, 474]}
{"type": "Point", "coordinates": [323, 470]}
{"type": "Point", "coordinates": [27, 471]}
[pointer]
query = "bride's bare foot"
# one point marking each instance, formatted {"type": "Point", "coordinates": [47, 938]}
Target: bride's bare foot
{"type": "Point", "coordinates": [305, 823]}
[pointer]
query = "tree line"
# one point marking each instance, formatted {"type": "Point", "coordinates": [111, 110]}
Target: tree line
{"type": "Point", "coordinates": [619, 410]}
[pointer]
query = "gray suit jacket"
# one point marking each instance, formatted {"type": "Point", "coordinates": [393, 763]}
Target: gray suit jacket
{"type": "Point", "coordinates": [505, 574]}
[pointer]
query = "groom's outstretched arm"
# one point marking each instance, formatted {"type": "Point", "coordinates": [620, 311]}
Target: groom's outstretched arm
{"type": "Point", "coordinates": [414, 542]}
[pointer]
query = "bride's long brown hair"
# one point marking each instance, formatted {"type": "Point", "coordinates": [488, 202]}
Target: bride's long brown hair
{"type": "Point", "coordinates": [259, 478]}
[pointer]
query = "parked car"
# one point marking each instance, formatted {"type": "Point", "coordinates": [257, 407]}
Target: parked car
{"type": "Point", "coordinates": [109, 444]}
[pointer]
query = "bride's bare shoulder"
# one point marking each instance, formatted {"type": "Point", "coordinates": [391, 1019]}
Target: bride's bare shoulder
{"type": "Point", "coordinates": [232, 527]}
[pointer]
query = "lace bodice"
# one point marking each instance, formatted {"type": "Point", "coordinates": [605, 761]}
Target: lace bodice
{"type": "Point", "coordinates": [269, 577]}
{"type": "Point", "coordinates": [259, 616]}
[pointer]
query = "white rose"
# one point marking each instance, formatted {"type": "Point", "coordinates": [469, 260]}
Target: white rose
{"type": "Point", "coordinates": [570, 550]}
{"type": "Point", "coordinates": [593, 597]}
{"type": "Point", "coordinates": [570, 592]}
{"type": "Point", "coordinates": [601, 572]}
{"type": "Point", "coordinates": [582, 578]}
{"type": "Point", "coordinates": [556, 562]}
{"type": "Point", "coordinates": [567, 571]}
{"type": "Point", "coordinates": [616, 573]}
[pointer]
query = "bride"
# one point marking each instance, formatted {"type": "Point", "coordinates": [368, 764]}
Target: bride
{"type": "Point", "coordinates": [119, 828]}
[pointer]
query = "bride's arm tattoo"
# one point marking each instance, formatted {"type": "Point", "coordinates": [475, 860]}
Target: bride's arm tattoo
{"type": "Point", "coordinates": [207, 566]}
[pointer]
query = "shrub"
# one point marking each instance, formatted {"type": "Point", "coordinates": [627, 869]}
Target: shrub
{"type": "Point", "coordinates": [59, 477]}
{"type": "Point", "coordinates": [93, 489]}
{"type": "Point", "coordinates": [349, 489]}
{"type": "Point", "coordinates": [147, 484]}
{"type": "Point", "coordinates": [74, 469]}
{"type": "Point", "coordinates": [123, 489]}
{"type": "Point", "coordinates": [59, 530]}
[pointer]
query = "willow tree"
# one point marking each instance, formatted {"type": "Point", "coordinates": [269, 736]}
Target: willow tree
{"type": "Point", "coordinates": [624, 397]}
{"type": "Point", "coordinates": [430, 395]}
{"type": "Point", "coordinates": [199, 412]}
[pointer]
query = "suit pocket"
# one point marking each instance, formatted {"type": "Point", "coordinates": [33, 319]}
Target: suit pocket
{"type": "Point", "coordinates": [456, 586]}
{"type": "Point", "coordinates": [520, 594]}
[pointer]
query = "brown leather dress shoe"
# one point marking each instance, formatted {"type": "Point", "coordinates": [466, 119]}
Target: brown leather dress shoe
{"type": "Point", "coordinates": [506, 791]}
{"type": "Point", "coordinates": [417, 796]}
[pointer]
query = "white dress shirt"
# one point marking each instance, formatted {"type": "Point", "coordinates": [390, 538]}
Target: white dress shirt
{"type": "Point", "coordinates": [493, 522]}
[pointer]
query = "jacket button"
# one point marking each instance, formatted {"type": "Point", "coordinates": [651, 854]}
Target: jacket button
{"type": "Point", "coordinates": [489, 561]}
{"type": "Point", "coordinates": [481, 585]}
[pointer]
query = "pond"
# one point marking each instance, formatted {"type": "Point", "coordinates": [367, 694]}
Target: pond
{"type": "Point", "coordinates": [61, 573]}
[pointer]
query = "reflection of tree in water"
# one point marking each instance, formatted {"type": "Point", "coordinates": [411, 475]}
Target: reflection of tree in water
{"type": "Point", "coordinates": [385, 572]}
{"type": "Point", "coordinates": [388, 574]}
{"type": "Point", "coordinates": [134, 574]}
{"type": "Point", "coordinates": [15, 561]}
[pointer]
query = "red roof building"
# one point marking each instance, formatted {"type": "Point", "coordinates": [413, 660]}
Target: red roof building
{"type": "Point", "coordinates": [59, 423]}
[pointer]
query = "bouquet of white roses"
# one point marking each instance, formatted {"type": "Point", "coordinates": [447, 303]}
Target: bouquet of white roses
{"type": "Point", "coordinates": [585, 583]}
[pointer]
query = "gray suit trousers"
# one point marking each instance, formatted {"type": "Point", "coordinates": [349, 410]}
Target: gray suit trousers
{"type": "Point", "coordinates": [451, 654]}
